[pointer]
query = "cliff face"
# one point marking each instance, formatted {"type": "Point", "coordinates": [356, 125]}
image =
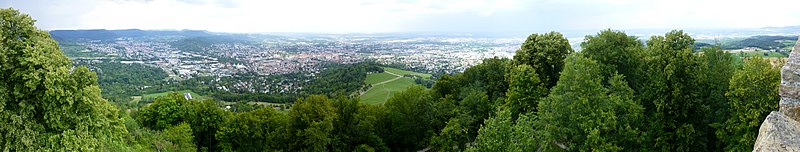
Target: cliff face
{"type": "Point", "coordinates": [781, 129]}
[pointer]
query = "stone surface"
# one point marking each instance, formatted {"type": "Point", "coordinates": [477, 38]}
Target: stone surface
{"type": "Point", "coordinates": [778, 133]}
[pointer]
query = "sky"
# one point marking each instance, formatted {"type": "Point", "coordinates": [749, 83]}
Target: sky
{"type": "Point", "coordinates": [385, 16]}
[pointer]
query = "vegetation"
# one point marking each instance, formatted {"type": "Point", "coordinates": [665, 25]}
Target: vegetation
{"type": "Point", "coordinates": [616, 95]}
{"type": "Point", "coordinates": [381, 86]}
{"type": "Point", "coordinates": [45, 103]}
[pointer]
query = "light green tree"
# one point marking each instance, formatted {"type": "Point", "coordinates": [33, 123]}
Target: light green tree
{"type": "Point", "coordinates": [753, 93]}
{"type": "Point", "coordinates": [545, 53]}
{"type": "Point", "coordinates": [524, 90]}
{"type": "Point", "coordinates": [46, 104]}
{"type": "Point", "coordinates": [181, 137]}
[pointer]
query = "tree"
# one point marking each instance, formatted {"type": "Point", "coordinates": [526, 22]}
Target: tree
{"type": "Point", "coordinates": [356, 126]}
{"type": "Point", "coordinates": [496, 134]}
{"type": "Point", "coordinates": [205, 118]}
{"type": "Point", "coordinates": [164, 112]}
{"type": "Point", "coordinates": [616, 52]}
{"type": "Point", "coordinates": [181, 137]}
{"type": "Point", "coordinates": [260, 130]}
{"type": "Point", "coordinates": [489, 76]}
{"type": "Point", "coordinates": [409, 119]}
{"type": "Point", "coordinates": [524, 91]}
{"type": "Point", "coordinates": [718, 67]}
{"type": "Point", "coordinates": [311, 123]}
{"type": "Point", "coordinates": [753, 93]}
{"type": "Point", "coordinates": [582, 114]}
{"type": "Point", "coordinates": [673, 94]}
{"type": "Point", "coordinates": [545, 53]}
{"type": "Point", "coordinates": [46, 104]}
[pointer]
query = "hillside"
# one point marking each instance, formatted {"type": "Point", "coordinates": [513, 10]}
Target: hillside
{"type": "Point", "coordinates": [385, 84]}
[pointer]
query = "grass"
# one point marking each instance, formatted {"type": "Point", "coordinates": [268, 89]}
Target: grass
{"type": "Point", "coordinates": [378, 77]}
{"type": "Point", "coordinates": [381, 93]}
{"type": "Point", "coordinates": [404, 72]}
{"type": "Point", "coordinates": [156, 95]}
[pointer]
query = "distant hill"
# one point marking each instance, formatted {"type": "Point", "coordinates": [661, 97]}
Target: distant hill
{"type": "Point", "coordinates": [101, 34]}
{"type": "Point", "coordinates": [783, 29]}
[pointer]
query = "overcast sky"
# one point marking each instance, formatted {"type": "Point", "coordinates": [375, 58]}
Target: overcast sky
{"type": "Point", "coordinates": [371, 16]}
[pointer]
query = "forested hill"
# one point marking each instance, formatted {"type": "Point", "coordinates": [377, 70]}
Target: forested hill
{"type": "Point", "coordinates": [616, 94]}
{"type": "Point", "coordinates": [101, 34]}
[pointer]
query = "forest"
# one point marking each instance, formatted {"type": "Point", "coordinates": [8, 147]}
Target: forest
{"type": "Point", "coordinates": [616, 94]}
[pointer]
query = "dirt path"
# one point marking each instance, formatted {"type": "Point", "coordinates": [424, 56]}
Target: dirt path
{"type": "Point", "coordinates": [383, 82]}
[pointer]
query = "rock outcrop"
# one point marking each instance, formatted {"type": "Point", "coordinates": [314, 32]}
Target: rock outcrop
{"type": "Point", "coordinates": [780, 131]}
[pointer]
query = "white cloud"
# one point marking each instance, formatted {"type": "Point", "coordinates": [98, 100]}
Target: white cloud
{"type": "Point", "coordinates": [406, 15]}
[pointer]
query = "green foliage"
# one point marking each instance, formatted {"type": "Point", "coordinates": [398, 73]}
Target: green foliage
{"type": "Point", "coordinates": [753, 93]}
{"type": "Point", "coordinates": [260, 130]}
{"type": "Point", "coordinates": [164, 112]}
{"type": "Point", "coordinates": [341, 79]}
{"type": "Point", "coordinates": [203, 116]}
{"type": "Point", "coordinates": [496, 134]}
{"type": "Point", "coordinates": [454, 136]}
{"type": "Point", "coordinates": [617, 53]}
{"type": "Point", "coordinates": [488, 75]}
{"type": "Point", "coordinates": [545, 53]}
{"type": "Point", "coordinates": [45, 103]}
{"type": "Point", "coordinates": [524, 90]}
{"type": "Point", "coordinates": [356, 127]}
{"type": "Point", "coordinates": [409, 120]}
{"type": "Point", "coordinates": [120, 81]}
{"type": "Point", "coordinates": [181, 136]}
{"type": "Point", "coordinates": [311, 123]}
{"type": "Point", "coordinates": [581, 114]}
{"type": "Point", "coordinates": [673, 91]}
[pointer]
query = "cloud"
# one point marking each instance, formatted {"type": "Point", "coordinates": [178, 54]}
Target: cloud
{"type": "Point", "coordinates": [407, 15]}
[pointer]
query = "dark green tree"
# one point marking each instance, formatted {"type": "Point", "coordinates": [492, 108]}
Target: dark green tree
{"type": "Point", "coordinates": [46, 104]}
{"type": "Point", "coordinates": [260, 130]}
{"type": "Point", "coordinates": [311, 123]}
{"type": "Point", "coordinates": [582, 114]}
{"type": "Point", "coordinates": [409, 119]}
{"type": "Point", "coordinates": [488, 75]}
{"type": "Point", "coordinates": [753, 93]}
{"type": "Point", "coordinates": [616, 52]}
{"type": "Point", "coordinates": [356, 126]}
{"type": "Point", "coordinates": [545, 53]}
{"type": "Point", "coordinates": [674, 94]}
{"type": "Point", "coordinates": [718, 67]}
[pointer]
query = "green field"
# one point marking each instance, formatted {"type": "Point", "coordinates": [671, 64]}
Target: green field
{"type": "Point", "coordinates": [378, 77]}
{"type": "Point", "coordinates": [761, 53]}
{"type": "Point", "coordinates": [379, 93]}
{"type": "Point", "coordinates": [404, 72]}
{"type": "Point", "coordinates": [156, 95]}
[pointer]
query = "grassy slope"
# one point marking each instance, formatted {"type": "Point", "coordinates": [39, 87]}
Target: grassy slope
{"type": "Point", "coordinates": [156, 95]}
{"type": "Point", "coordinates": [380, 93]}
{"type": "Point", "coordinates": [378, 77]}
{"type": "Point", "coordinates": [404, 72]}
